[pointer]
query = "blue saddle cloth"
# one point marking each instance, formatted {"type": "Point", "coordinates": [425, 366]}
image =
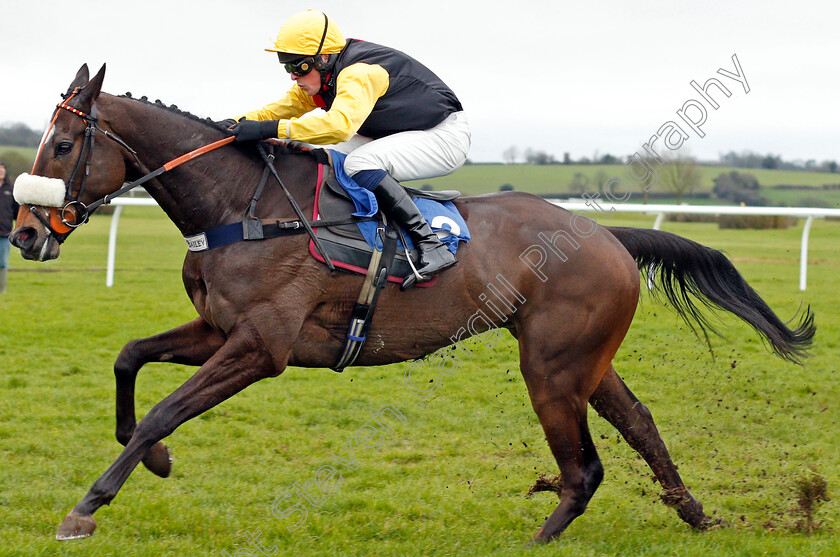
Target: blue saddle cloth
{"type": "Point", "coordinates": [439, 215]}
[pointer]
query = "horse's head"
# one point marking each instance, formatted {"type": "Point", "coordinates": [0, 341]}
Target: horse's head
{"type": "Point", "coordinates": [73, 168]}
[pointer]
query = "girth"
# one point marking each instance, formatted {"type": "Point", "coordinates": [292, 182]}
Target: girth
{"type": "Point", "coordinates": [375, 281]}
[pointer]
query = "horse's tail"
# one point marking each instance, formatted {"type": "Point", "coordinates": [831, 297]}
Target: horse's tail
{"type": "Point", "coordinates": [684, 271]}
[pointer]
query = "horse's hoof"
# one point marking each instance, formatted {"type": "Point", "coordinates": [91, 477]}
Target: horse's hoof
{"type": "Point", "coordinates": [688, 508]}
{"type": "Point", "coordinates": [159, 460]}
{"type": "Point", "coordinates": [539, 538]}
{"type": "Point", "coordinates": [76, 526]}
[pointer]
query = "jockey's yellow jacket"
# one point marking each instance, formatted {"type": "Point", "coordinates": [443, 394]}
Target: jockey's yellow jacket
{"type": "Point", "coordinates": [372, 90]}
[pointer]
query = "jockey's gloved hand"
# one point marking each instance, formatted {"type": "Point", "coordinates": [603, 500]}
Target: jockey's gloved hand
{"type": "Point", "coordinates": [227, 123]}
{"type": "Point", "coordinates": [253, 130]}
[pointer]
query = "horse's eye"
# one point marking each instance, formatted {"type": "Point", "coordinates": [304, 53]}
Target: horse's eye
{"type": "Point", "coordinates": [63, 148]}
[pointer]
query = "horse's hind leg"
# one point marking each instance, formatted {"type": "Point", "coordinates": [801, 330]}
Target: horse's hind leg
{"type": "Point", "coordinates": [559, 387]}
{"type": "Point", "coordinates": [615, 403]}
{"type": "Point", "coordinates": [191, 344]}
{"type": "Point", "coordinates": [564, 423]}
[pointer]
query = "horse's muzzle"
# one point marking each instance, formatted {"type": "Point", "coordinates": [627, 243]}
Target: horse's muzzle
{"type": "Point", "coordinates": [34, 246]}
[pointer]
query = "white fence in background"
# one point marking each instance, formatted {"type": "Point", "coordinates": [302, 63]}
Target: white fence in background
{"type": "Point", "coordinates": [603, 207]}
{"type": "Point", "coordinates": [808, 213]}
{"type": "Point", "coordinates": [119, 203]}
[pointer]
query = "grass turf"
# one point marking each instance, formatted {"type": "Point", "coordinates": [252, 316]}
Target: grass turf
{"type": "Point", "coordinates": [743, 426]}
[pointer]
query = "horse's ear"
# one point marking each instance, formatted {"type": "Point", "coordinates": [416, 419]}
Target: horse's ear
{"type": "Point", "coordinates": [82, 77]}
{"type": "Point", "coordinates": [93, 87]}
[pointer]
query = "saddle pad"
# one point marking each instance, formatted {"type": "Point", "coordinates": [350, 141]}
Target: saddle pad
{"type": "Point", "coordinates": [345, 245]}
{"type": "Point", "coordinates": [437, 208]}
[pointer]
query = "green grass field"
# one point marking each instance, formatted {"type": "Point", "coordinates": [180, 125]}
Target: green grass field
{"type": "Point", "coordinates": [26, 152]}
{"type": "Point", "coordinates": [743, 426]}
{"type": "Point", "coordinates": [551, 179]}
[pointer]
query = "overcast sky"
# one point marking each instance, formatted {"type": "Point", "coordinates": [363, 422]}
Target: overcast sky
{"type": "Point", "coordinates": [576, 77]}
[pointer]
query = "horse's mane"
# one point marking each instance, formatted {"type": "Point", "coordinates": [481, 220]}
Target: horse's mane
{"type": "Point", "coordinates": [285, 147]}
{"type": "Point", "coordinates": [174, 109]}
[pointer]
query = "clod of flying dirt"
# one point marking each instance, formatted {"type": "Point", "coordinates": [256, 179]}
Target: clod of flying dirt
{"type": "Point", "coordinates": [546, 483]}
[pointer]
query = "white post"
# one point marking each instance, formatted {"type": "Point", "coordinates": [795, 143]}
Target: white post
{"type": "Point", "coordinates": [658, 222]}
{"type": "Point", "coordinates": [112, 246]}
{"type": "Point", "coordinates": [652, 269]}
{"type": "Point", "coordinates": [803, 258]}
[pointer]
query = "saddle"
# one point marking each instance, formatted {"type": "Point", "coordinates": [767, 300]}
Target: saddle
{"type": "Point", "coordinates": [345, 244]}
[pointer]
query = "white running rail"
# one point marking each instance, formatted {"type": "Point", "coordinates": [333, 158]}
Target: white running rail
{"type": "Point", "coordinates": [660, 211]}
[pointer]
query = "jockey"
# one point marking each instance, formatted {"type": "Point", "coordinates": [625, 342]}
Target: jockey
{"type": "Point", "coordinates": [393, 117]}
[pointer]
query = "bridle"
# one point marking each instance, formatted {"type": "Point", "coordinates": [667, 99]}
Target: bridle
{"type": "Point", "coordinates": [60, 226]}
{"type": "Point", "coordinates": [74, 213]}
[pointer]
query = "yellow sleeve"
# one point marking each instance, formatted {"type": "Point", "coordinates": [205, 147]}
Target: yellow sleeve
{"type": "Point", "coordinates": [358, 87]}
{"type": "Point", "coordinates": [294, 103]}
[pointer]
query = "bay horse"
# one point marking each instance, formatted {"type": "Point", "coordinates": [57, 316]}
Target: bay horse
{"type": "Point", "coordinates": [266, 305]}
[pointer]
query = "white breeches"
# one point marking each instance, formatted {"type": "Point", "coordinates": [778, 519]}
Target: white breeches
{"type": "Point", "coordinates": [411, 155]}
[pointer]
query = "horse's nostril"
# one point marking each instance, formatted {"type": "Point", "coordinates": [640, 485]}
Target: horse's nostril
{"type": "Point", "coordinates": [23, 238]}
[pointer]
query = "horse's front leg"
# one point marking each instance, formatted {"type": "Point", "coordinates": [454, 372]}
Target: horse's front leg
{"type": "Point", "coordinates": [191, 344]}
{"type": "Point", "coordinates": [243, 360]}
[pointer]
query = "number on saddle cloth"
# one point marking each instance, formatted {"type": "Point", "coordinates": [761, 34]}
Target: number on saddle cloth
{"type": "Point", "coordinates": [437, 207]}
{"type": "Point", "coordinates": [350, 246]}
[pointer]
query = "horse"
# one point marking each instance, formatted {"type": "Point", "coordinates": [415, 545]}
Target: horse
{"type": "Point", "coordinates": [265, 305]}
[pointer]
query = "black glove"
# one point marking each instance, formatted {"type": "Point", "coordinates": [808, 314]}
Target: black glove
{"type": "Point", "coordinates": [253, 130]}
{"type": "Point", "coordinates": [226, 124]}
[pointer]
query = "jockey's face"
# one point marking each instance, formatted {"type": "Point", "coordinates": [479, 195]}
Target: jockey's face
{"type": "Point", "coordinates": [311, 82]}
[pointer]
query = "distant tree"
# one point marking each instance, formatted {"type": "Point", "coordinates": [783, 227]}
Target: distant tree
{"type": "Point", "coordinates": [528, 155]}
{"type": "Point", "coordinates": [744, 159]}
{"type": "Point", "coordinates": [748, 159]}
{"type": "Point", "coordinates": [600, 179]}
{"type": "Point", "coordinates": [16, 134]}
{"type": "Point", "coordinates": [567, 159]}
{"type": "Point", "coordinates": [427, 187]}
{"type": "Point", "coordinates": [728, 159]}
{"type": "Point", "coordinates": [829, 166]}
{"type": "Point", "coordinates": [609, 159]}
{"type": "Point", "coordinates": [510, 154]}
{"type": "Point", "coordinates": [753, 160]}
{"type": "Point", "coordinates": [506, 187]}
{"type": "Point", "coordinates": [16, 163]}
{"type": "Point", "coordinates": [579, 183]}
{"type": "Point", "coordinates": [651, 179]}
{"type": "Point", "coordinates": [739, 188]}
{"type": "Point", "coordinates": [538, 157]}
{"type": "Point", "coordinates": [771, 163]}
{"type": "Point", "coordinates": [680, 174]}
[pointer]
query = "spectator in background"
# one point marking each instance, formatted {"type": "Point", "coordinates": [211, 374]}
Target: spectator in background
{"type": "Point", "coordinates": [8, 213]}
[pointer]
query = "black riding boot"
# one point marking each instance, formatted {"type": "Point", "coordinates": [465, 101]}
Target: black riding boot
{"type": "Point", "coordinates": [434, 256]}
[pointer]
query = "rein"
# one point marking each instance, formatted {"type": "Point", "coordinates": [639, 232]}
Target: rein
{"type": "Point", "coordinates": [54, 222]}
{"type": "Point", "coordinates": [195, 153]}
{"type": "Point", "coordinates": [82, 211]}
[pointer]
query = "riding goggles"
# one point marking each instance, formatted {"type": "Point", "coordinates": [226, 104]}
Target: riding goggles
{"type": "Point", "coordinates": [300, 67]}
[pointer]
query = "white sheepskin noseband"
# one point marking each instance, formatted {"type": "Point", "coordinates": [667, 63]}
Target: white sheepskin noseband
{"type": "Point", "coordinates": [39, 190]}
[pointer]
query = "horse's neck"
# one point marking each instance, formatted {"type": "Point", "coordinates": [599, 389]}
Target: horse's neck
{"type": "Point", "coordinates": [209, 191]}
